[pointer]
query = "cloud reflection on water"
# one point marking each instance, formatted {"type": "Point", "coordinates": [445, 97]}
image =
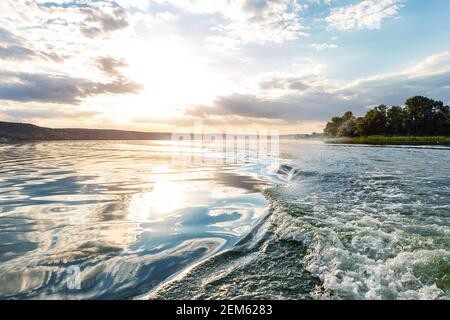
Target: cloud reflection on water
{"type": "Point", "coordinates": [125, 213]}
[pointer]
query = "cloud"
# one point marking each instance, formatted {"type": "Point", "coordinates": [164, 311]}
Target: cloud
{"type": "Point", "coordinates": [246, 21]}
{"type": "Point", "coordinates": [16, 53]}
{"type": "Point", "coordinates": [263, 21]}
{"type": "Point", "coordinates": [256, 7]}
{"type": "Point", "coordinates": [313, 99]}
{"type": "Point", "coordinates": [8, 37]}
{"type": "Point", "coordinates": [62, 89]}
{"type": "Point", "coordinates": [292, 108]}
{"type": "Point", "coordinates": [430, 77]}
{"type": "Point", "coordinates": [103, 21]}
{"type": "Point", "coordinates": [16, 49]}
{"type": "Point", "coordinates": [365, 14]}
{"type": "Point", "coordinates": [98, 18]}
{"type": "Point", "coordinates": [20, 114]}
{"type": "Point", "coordinates": [323, 46]}
{"type": "Point", "coordinates": [286, 84]}
{"type": "Point", "coordinates": [110, 65]}
{"type": "Point", "coordinates": [19, 53]}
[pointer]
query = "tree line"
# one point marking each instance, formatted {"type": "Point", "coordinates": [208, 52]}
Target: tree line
{"type": "Point", "coordinates": [419, 116]}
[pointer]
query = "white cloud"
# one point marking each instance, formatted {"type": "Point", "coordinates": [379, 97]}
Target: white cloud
{"type": "Point", "coordinates": [247, 21]}
{"type": "Point", "coordinates": [436, 64]}
{"type": "Point", "coordinates": [267, 21]}
{"type": "Point", "coordinates": [365, 14]}
{"type": "Point", "coordinates": [323, 46]}
{"type": "Point", "coordinates": [312, 98]}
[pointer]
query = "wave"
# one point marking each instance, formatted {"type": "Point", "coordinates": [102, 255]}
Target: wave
{"type": "Point", "coordinates": [364, 236]}
{"type": "Point", "coordinates": [331, 235]}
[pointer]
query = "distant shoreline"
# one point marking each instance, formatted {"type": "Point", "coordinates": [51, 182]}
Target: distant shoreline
{"type": "Point", "coordinates": [11, 132]}
{"type": "Point", "coordinates": [383, 140]}
{"type": "Point", "coordinates": [22, 132]}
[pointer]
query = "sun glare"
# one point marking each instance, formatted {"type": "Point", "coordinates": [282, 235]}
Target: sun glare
{"type": "Point", "coordinates": [153, 205]}
{"type": "Point", "coordinates": [174, 76]}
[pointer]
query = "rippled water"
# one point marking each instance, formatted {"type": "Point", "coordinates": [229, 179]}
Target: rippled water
{"type": "Point", "coordinates": [345, 222]}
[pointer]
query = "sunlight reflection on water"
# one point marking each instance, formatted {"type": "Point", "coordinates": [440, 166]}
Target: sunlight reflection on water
{"type": "Point", "coordinates": [345, 222]}
{"type": "Point", "coordinates": [124, 212]}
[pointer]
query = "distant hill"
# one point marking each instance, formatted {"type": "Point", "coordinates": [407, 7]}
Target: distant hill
{"type": "Point", "coordinates": [10, 131]}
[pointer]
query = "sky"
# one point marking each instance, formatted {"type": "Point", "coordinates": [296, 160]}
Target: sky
{"type": "Point", "coordinates": [160, 65]}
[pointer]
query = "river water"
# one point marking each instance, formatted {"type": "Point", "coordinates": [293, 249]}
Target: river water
{"type": "Point", "coordinates": [124, 220]}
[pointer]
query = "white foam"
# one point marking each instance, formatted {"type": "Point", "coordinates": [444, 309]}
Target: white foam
{"type": "Point", "coordinates": [360, 268]}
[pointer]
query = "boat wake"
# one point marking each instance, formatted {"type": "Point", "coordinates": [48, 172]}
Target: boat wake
{"type": "Point", "coordinates": [333, 234]}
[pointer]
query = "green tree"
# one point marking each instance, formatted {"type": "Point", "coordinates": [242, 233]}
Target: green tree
{"type": "Point", "coordinates": [341, 126]}
{"type": "Point", "coordinates": [347, 129]}
{"type": "Point", "coordinates": [395, 121]}
{"type": "Point", "coordinates": [332, 127]}
{"type": "Point", "coordinates": [360, 127]}
{"type": "Point", "coordinates": [421, 115]}
{"type": "Point", "coordinates": [374, 122]}
{"type": "Point", "coordinates": [442, 120]}
{"type": "Point", "coordinates": [348, 126]}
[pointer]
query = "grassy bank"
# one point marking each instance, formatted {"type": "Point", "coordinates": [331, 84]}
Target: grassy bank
{"type": "Point", "coordinates": [413, 140]}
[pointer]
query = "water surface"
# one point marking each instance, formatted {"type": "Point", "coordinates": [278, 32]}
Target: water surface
{"type": "Point", "coordinates": [345, 222]}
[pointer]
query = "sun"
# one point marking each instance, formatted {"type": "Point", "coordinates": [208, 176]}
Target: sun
{"type": "Point", "coordinates": [174, 75]}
